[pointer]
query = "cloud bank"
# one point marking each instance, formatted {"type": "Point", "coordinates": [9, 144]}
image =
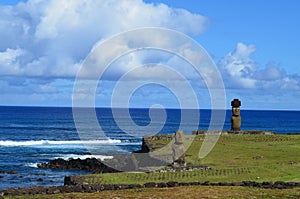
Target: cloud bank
{"type": "Point", "coordinates": [51, 38]}
{"type": "Point", "coordinates": [240, 71]}
{"type": "Point", "coordinates": [43, 44]}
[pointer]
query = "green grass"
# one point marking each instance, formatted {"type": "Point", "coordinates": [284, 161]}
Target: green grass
{"type": "Point", "coordinates": [234, 158]}
{"type": "Point", "coordinates": [179, 192]}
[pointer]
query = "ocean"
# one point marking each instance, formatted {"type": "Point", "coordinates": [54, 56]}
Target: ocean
{"type": "Point", "coordinates": [34, 135]}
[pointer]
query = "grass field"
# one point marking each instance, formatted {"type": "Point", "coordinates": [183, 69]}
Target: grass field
{"type": "Point", "coordinates": [234, 158]}
{"type": "Point", "coordinates": [179, 192]}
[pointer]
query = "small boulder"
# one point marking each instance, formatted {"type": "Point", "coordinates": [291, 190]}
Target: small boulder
{"type": "Point", "coordinates": [172, 184]}
{"type": "Point", "coordinates": [150, 185]}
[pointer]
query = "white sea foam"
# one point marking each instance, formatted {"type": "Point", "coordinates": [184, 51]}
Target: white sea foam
{"type": "Point", "coordinates": [51, 142]}
{"type": "Point", "coordinates": [34, 165]}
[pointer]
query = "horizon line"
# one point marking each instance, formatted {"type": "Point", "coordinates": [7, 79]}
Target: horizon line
{"type": "Point", "coordinates": [173, 108]}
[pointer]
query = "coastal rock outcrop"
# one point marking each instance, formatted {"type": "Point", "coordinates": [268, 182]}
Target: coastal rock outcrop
{"type": "Point", "coordinates": [89, 164]}
{"type": "Point", "coordinates": [120, 162]}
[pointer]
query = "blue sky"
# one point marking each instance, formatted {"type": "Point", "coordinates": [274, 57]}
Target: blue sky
{"type": "Point", "coordinates": [253, 43]}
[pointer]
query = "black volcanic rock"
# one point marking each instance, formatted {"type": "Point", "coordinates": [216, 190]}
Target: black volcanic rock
{"type": "Point", "coordinates": [120, 162]}
{"type": "Point", "coordinates": [89, 164]}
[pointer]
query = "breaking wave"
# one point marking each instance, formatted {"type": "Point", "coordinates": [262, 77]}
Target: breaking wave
{"type": "Point", "coordinates": [9, 143]}
{"type": "Point", "coordinates": [33, 165]}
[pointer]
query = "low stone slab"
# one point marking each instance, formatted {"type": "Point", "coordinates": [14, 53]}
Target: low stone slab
{"type": "Point", "coordinates": [262, 132]}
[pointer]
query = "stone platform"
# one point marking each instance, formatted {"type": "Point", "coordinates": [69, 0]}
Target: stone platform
{"type": "Point", "coordinates": [262, 132]}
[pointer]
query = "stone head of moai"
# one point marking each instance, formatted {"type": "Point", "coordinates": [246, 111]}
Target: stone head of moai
{"type": "Point", "coordinates": [236, 118]}
{"type": "Point", "coordinates": [179, 137]}
{"type": "Point", "coordinates": [236, 103]}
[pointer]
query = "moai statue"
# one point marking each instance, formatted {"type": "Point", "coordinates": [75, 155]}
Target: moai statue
{"type": "Point", "coordinates": [236, 119]}
{"type": "Point", "coordinates": [179, 149]}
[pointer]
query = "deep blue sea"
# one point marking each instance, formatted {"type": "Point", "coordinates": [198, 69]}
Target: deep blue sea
{"type": "Point", "coordinates": [32, 135]}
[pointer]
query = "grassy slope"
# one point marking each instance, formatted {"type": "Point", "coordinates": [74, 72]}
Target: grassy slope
{"type": "Point", "coordinates": [234, 158]}
{"type": "Point", "coordinates": [179, 192]}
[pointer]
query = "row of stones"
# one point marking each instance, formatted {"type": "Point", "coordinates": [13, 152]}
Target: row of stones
{"type": "Point", "coordinates": [203, 132]}
{"type": "Point", "coordinates": [92, 188]}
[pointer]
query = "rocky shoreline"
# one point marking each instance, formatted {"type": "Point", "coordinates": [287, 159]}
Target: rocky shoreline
{"type": "Point", "coordinates": [128, 162]}
{"type": "Point", "coordinates": [90, 164]}
{"type": "Point", "coordinates": [124, 162]}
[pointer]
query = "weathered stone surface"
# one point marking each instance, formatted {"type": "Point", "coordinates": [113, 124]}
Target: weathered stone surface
{"type": "Point", "coordinates": [178, 149]}
{"type": "Point", "coordinates": [120, 162]}
{"type": "Point", "coordinates": [236, 119]}
{"type": "Point", "coordinates": [267, 185]}
{"type": "Point", "coordinates": [236, 122]}
{"type": "Point", "coordinates": [172, 184]}
{"type": "Point", "coordinates": [162, 185]}
{"type": "Point", "coordinates": [147, 142]}
{"type": "Point", "coordinates": [135, 186]}
{"type": "Point", "coordinates": [108, 187]}
{"type": "Point", "coordinates": [206, 183]}
{"type": "Point", "coordinates": [236, 103]}
{"type": "Point", "coordinates": [89, 164]}
{"type": "Point", "coordinates": [179, 137]}
{"type": "Point", "coordinates": [84, 187]}
{"type": "Point", "coordinates": [195, 183]}
{"type": "Point", "coordinates": [145, 147]}
{"type": "Point", "coordinates": [178, 154]}
{"type": "Point", "coordinates": [124, 162]}
{"type": "Point", "coordinates": [236, 111]}
{"type": "Point", "coordinates": [202, 132]}
{"type": "Point", "coordinates": [72, 180]}
{"type": "Point", "coordinates": [184, 184]}
{"type": "Point", "coordinates": [150, 185]}
{"type": "Point", "coordinates": [236, 184]}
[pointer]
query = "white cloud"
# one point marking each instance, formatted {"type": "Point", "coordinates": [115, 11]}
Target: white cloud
{"type": "Point", "coordinates": [271, 72]}
{"type": "Point", "coordinates": [56, 35]}
{"type": "Point", "coordinates": [9, 61]}
{"type": "Point", "coordinates": [46, 89]}
{"type": "Point", "coordinates": [48, 40]}
{"type": "Point", "coordinates": [241, 71]}
{"type": "Point", "coordinates": [238, 67]}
